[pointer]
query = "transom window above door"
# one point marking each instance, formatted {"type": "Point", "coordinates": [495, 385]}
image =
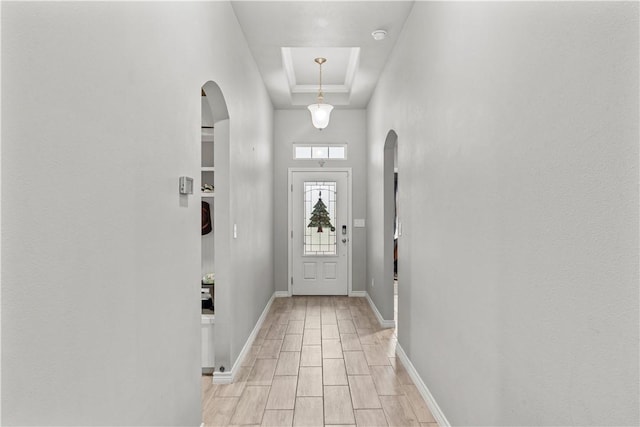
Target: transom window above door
{"type": "Point", "coordinates": [320, 151]}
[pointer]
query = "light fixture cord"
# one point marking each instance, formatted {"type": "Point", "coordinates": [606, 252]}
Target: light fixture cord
{"type": "Point", "coordinates": [320, 94]}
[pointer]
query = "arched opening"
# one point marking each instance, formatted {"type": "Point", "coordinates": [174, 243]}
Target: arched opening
{"type": "Point", "coordinates": [214, 172]}
{"type": "Point", "coordinates": [215, 99]}
{"type": "Point", "coordinates": [391, 223]}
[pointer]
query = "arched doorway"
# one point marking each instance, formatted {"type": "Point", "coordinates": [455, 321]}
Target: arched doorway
{"type": "Point", "coordinates": [391, 223]}
{"type": "Point", "coordinates": [213, 184]}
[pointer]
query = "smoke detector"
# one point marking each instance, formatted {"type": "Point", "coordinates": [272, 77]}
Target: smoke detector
{"type": "Point", "coordinates": [379, 35]}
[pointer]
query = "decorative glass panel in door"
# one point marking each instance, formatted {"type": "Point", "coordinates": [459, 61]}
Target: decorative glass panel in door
{"type": "Point", "coordinates": [320, 217]}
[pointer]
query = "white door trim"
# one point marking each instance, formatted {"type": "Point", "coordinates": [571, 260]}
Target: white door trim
{"type": "Point", "coordinates": [290, 216]}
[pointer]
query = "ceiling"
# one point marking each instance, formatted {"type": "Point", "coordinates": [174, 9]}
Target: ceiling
{"type": "Point", "coordinates": [286, 36]}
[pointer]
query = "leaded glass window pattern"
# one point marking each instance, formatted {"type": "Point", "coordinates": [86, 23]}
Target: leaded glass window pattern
{"type": "Point", "coordinates": [319, 242]}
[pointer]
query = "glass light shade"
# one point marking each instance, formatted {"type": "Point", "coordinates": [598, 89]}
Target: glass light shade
{"type": "Point", "coordinates": [320, 114]}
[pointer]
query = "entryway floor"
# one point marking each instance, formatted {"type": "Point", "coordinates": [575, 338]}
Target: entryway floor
{"type": "Point", "coordinates": [318, 361]}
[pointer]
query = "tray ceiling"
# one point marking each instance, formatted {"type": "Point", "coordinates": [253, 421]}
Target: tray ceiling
{"type": "Point", "coordinates": [285, 38]}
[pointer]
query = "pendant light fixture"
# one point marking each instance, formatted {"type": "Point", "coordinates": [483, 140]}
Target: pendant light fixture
{"type": "Point", "coordinates": [320, 112]}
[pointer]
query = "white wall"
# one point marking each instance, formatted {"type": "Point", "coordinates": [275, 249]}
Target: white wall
{"type": "Point", "coordinates": [100, 255]}
{"type": "Point", "coordinates": [294, 126]}
{"type": "Point", "coordinates": [0, 223]}
{"type": "Point", "coordinates": [251, 194]}
{"type": "Point", "coordinates": [518, 168]}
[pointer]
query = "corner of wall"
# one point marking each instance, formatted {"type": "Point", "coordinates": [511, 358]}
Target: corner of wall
{"type": "Point", "coordinates": [383, 323]}
{"type": "Point", "coordinates": [435, 409]}
{"type": "Point", "coordinates": [0, 219]}
{"type": "Point", "coordinates": [229, 376]}
{"type": "Point", "coordinates": [0, 222]}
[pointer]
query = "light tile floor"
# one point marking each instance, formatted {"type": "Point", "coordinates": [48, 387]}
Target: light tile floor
{"type": "Point", "coordinates": [318, 361]}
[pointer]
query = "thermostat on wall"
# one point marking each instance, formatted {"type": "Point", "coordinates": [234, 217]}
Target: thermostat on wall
{"type": "Point", "coordinates": [186, 185]}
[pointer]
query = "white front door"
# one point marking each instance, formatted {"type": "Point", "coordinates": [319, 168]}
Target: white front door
{"type": "Point", "coordinates": [319, 232]}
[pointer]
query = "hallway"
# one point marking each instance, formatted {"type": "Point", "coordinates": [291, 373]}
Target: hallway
{"type": "Point", "coordinates": [514, 130]}
{"type": "Point", "coordinates": [318, 361]}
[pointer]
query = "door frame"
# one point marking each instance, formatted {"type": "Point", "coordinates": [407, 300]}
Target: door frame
{"type": "Point", "coordinates": [290, 222]}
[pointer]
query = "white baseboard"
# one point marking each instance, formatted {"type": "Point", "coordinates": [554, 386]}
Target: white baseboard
{"type": "Point", "coordinates": [282, 294]}
{"type": "Point", "coordinates": [383, 323]}
{"type": "Point", "coordinates": [357, 293]}
{"type": "Point", "coordinates": [422, 388]}
{"type": "Point", "coordinates": [227, 377]}
{"type": "Point", "coordinates": [222, 377]}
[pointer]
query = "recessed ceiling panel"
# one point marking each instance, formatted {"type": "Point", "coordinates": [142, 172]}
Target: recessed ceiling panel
{"type": "Point", "coordinates": [303, 73]}
{"type": "Point", "coordinates": [334, 71]}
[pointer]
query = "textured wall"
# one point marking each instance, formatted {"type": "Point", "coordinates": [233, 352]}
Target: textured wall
{"type": "Point", "coordinates": [517, 133]}
{"type": "Point", "coordinates": [100, 255]}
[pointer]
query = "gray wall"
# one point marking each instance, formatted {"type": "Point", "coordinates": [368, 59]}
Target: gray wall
{"type": "Point", "coordinates": [294, 126]}
{"type": "Point", "coordinates": [100, 255]}
{"type": "Point", "coordinates": [518, 167]}
{"type": "Point", "coordinates": [251, 209]}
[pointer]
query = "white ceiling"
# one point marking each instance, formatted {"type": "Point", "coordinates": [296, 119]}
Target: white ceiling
{"type": "Point", "coordinates": [286, 36]}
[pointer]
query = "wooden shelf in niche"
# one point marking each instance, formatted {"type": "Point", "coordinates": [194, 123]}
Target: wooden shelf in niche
{"type": "Point", "coordinates": [207, 169]}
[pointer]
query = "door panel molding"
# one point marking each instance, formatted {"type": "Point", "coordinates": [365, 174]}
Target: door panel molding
{"type": "Point", "coordinates": [348, 171]}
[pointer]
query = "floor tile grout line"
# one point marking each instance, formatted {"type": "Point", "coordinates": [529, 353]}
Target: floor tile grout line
{"type": "Point", "coordinates": [282, 315]}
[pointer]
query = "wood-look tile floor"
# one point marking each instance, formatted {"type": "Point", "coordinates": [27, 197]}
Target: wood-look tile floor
{"type": "Point", "coordinates": [318, 361]}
